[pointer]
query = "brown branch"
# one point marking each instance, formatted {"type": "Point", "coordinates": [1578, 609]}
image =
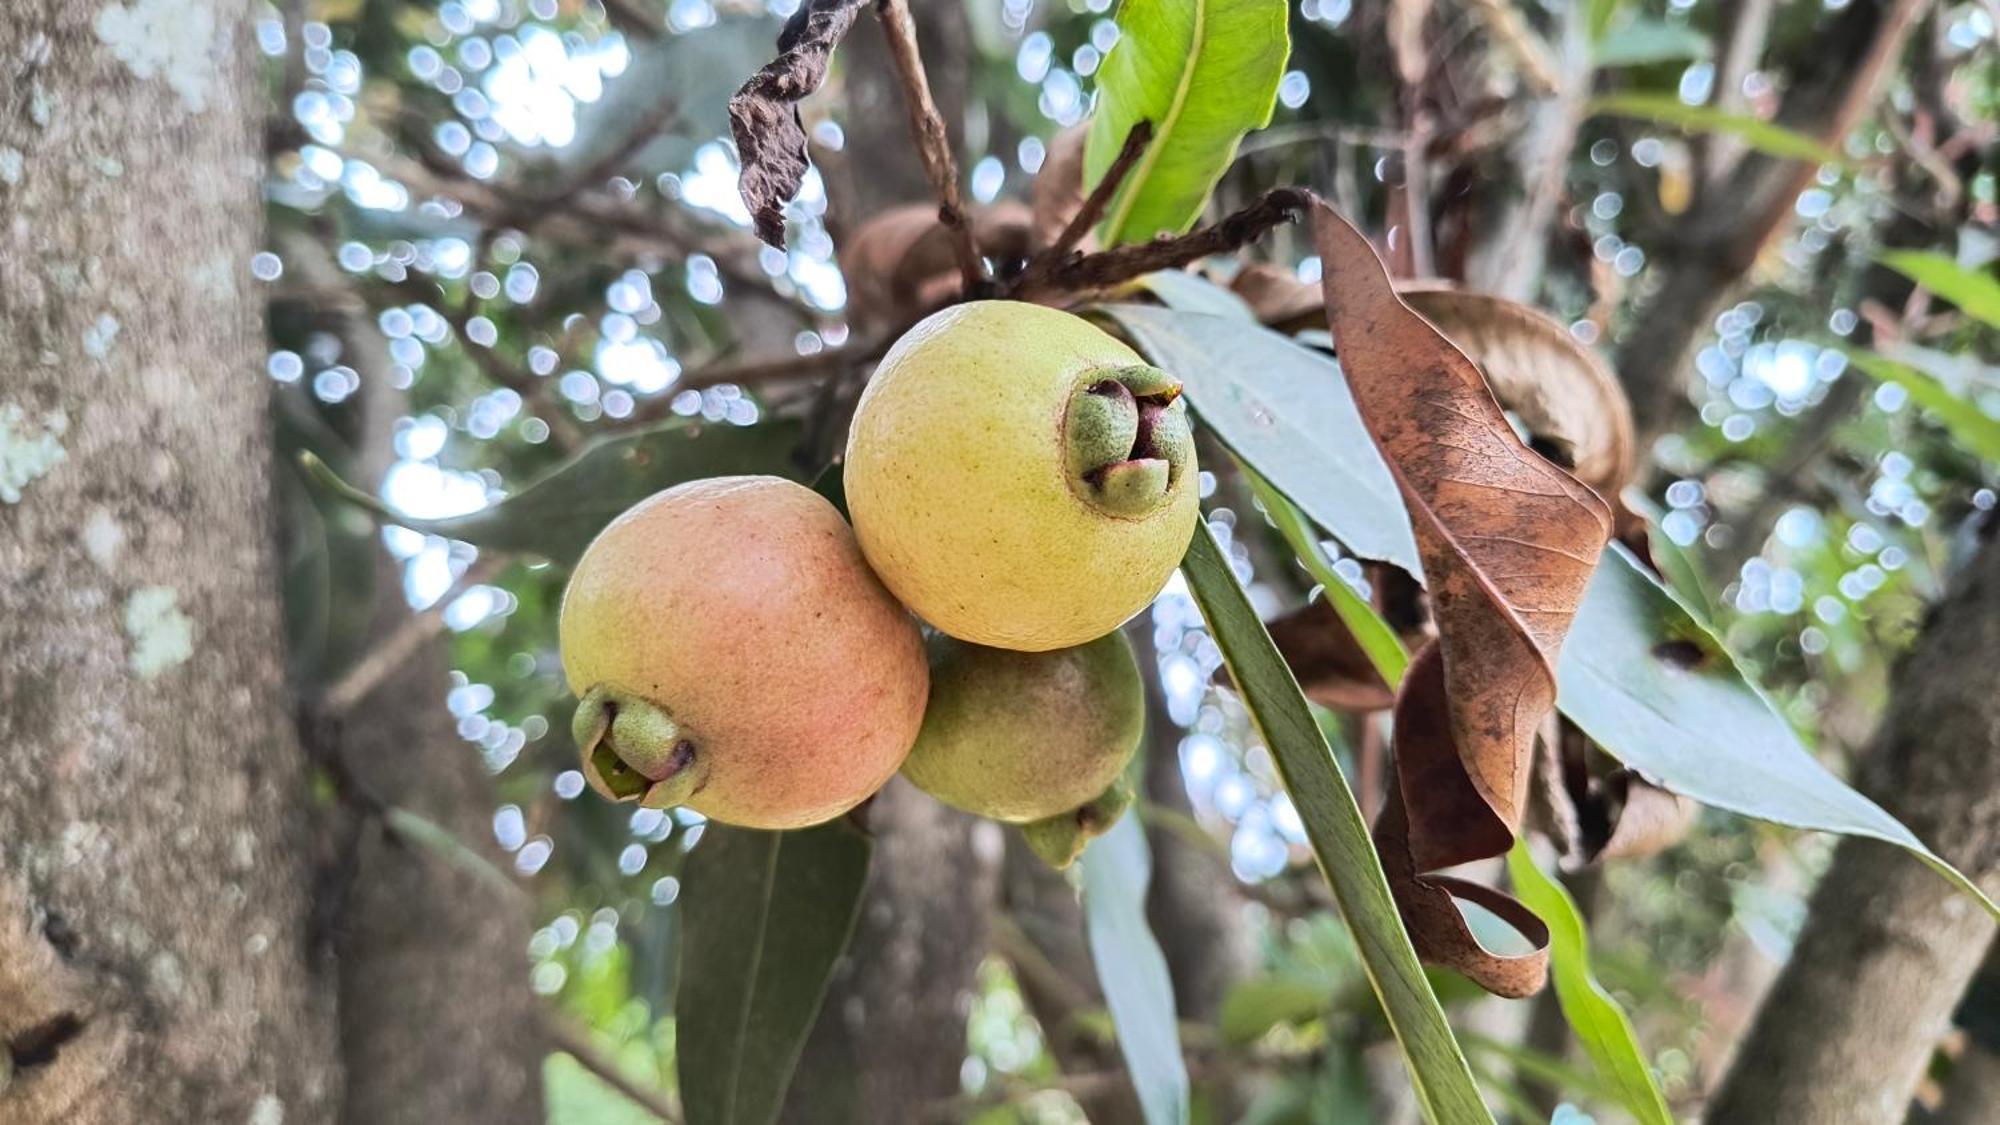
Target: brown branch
{"type": "Point", "coordinates": [379, 663]}
{"type": "Point", "coordinates": [1110, 267]}
{"type": "Point", "coordinates": [1092, 210]}
{"type": "Point", "coordinates": [604, 167]}
{"type": "Point", "coordinates": [575, 1042]}
{"type": "Point", "coordinates": [933, 143]}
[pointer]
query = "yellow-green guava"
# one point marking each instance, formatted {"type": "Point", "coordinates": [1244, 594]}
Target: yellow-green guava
{"type": "Point", "coordinates": [1039, 739]}
{"type": "Point", "coordinates": [735, 654]}
{"type": "Point", "coordinates": [1019, 478]}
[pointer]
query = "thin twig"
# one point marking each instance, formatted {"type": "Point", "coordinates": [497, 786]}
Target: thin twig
{"type": "Point", "coordinates": [380, 662]}
{"type": "Point", "coordinates": [604, 167]}
{"type": "Point", "coordinates": [1092, 210]}
{"type": "Point", "coordinates": [575, 1042]}
{"type": "Point", "coordinates": [933, 143]}
{"type": "Point", "coordinates": [1110, 267]}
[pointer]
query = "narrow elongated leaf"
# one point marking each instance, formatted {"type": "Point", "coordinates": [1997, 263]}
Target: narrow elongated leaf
{"type": "Point", "coordinates": [766, 915]}
{"type": "Point", "coordinates": [1339, 837]}
{"type": "Point", "coordinates": [1668, 109]}
{"type": "Point", "coordinates": [1117, 868]}
{"type": "Point", "coordinates": [1381, 644]}
{"type": "Point", "coordinates": [1978, 430]}
{"type": "Point", "coordinates": [557, 515]}
{"type": "Point", "coordinates": [1287, 411]}
{"type": "Point", "coordinates": [1204, 72]}
{"type": "Point", "coordinates": [1659, 692]}
{"type": "Point", "coordinates": [1599, 1023]}
{"type": "Point", "coordinates": [1508, 542]}
{"type": "Point", "coordinates": [1641, 41]}
{"type": "Point", "coordinates": [1974, 291]}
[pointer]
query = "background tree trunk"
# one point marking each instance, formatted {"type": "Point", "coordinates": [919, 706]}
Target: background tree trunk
{"type": "Point", "coordinates": [1888, 947]}
{"type": "Point", "coordinates": [437, 1024]}
{"type": "Point", "coordinates": [155, 825]}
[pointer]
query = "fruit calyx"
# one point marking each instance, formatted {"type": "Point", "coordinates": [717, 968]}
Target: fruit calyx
{"type": "Point", "coordinates": [1061, 838]}
{"type": "Point", "coordinates": [1127, 440]}
{"type": "Point", "coordinates": [634, 750]}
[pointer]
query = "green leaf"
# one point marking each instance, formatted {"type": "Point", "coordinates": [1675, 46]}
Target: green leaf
{"type": "Point", "coordinates": [1378, 641]}
{"type": "Point", "coordinates": [557, 515]}
{"type": "Point", "coordinates": [1642, 41]}
{"type": "Point", "coordinates": [1978, 430]}
{"type": "Point", "coordinates": [1974, 291]}
{"type": "Point", "coordinates": [1599, 1023]}
{"type": "Point", "coordinates": [1443, 1080]}
{"type": "Point", "coordinates": [766, 915]}
{"type": "Point", "coordinates": [1667, 109]}
{"type": "Point", "coordinates": [1204, 72]}
{"type": "Point", "coordinates": [1117, 868]}
{"type": "Point", "coordinates": [1259, 1004]}
{"type": "Point", "coordinates": [1286, 410]}
{"type": "Point", "coordinates": [1659, 692]}
{"type": "Point", "coordinates": [1178, 289]}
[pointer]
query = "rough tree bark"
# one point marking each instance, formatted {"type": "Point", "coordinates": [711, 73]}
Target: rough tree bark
{"type": "Point", "coordinates": [155, 825]}
{"type": "Point", "coordinates": [1888, 946]}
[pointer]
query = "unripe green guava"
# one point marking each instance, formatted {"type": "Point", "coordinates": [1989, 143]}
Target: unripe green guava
{"type": "Point", "coordinates": [735, 654]}
{"type": "Point", "coordinates": [1019, 478]}
{"type": "Point", "coordinates": [1033, 738]}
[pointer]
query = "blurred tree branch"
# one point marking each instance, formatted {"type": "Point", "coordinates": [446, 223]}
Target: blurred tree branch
{"type": "Point", "coordinates": [1699, 262]}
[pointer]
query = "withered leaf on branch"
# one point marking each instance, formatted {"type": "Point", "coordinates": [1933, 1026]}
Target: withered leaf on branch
{"type": "Point", "coordinates": [1508, 542]}
{"type": "Point", "coordinates": [1332, 668]}
{"type": "Point", "coordinates": [764, 114]}
{"type": "Point", "coordinates": [1564, 394]}
{"type": "Point", "coordinates": [900, 265]}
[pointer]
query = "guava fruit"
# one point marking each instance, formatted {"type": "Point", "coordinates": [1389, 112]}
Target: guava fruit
{"type": "Point", "coordinates": [1039, 739]}
{"type": "Point", "coordinates": [734, 654]}
{"type": "Point", "coordinates": [1019, 478]}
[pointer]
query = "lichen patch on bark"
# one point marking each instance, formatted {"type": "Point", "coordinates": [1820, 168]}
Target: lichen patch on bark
{"type": "Point", "coordinates": [172, 40]}
{"type": "Point", "coordinates": [162, 636]}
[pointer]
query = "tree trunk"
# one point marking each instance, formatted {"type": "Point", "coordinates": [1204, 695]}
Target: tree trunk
{"type": "Point", "coordinates": [1888, 946]}
{"type": "Point", "coordinates": [437, 1024]}
{"type": "Point", "coordinates": [155, 827]}
{"type": "Point", "coordinates": [891, 1038]}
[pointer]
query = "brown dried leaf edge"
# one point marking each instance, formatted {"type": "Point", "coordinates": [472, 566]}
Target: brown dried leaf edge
{"type": "Point", "coordinates": [1508, 542]}
{"type": "Point", "coordinates": [764, 114]}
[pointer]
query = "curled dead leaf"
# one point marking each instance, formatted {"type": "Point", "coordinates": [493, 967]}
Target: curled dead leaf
{"type": "Point", "coordinates": [1058, 192]}
{"type": "Point", "coordinates": [1560, 389]}
{"type": "Point", "coordinates": [764, 114]}
{"type": "Point", "coordinates": [1644, 819]}
{"type": "Point", "coordinates": [1331, 667]}
{"type": "Point", "coordinates": [1508, 542]}
{"type": "Point", "coordinates": [900, 263]}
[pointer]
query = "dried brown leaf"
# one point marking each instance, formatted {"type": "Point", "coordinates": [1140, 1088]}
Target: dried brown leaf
{"type": "Point", "coordinates": [901, 262]}
{"type": "Point", "coordinates": [764, 114]}
{"type": "Point", "coordinates": [1645, 819]}
{"type": "Point", "coordinates": [1561, 390]}
{"type": "Point", "coordinates": [1508, 542]}
{"type": "Point", "coordinates": [1330, 664]}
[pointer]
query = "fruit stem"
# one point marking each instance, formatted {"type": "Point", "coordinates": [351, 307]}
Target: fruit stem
{"type": "Point", "coordinates": [1126, 439]}
{"type": "Point", "coordinates": [634, 750]}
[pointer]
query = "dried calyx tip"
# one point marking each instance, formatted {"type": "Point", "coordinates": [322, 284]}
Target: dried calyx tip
{"type": "Point", "coordinates": [1127, 440]}
{"type": "Point", "coordinates": [634, 750]}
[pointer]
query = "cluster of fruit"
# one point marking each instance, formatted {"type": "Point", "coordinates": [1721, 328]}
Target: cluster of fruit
{"type": "Point", "coordinates": [1019, 479]}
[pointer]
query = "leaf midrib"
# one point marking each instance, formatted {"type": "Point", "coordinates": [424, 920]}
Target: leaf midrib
{"type": "Point", "coordinates": [750, 991]}
{"type": "Point", "coordinates": [1129, 192]}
